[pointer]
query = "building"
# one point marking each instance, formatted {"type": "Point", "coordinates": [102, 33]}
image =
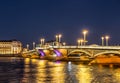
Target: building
{"type": "Point", "coordinates": [10, 47]}
{"type": "Point", "coordinates": [53, 43]}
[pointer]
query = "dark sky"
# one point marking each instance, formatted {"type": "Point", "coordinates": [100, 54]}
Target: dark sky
{"type": "Point", "coordinates": [30, 20]}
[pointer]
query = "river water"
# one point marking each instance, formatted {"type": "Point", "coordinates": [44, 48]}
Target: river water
{"type": "Point", "coordinates": [15, 70]}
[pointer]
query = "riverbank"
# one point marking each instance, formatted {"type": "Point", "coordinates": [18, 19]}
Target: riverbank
{"type": "Point", "coordinates": [10, 55]}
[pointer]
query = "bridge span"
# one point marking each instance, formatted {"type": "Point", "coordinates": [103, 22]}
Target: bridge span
{"type": "Point", "coordinates": [98, 54]}
{"type": "Point", "coordinates": [91, 51]}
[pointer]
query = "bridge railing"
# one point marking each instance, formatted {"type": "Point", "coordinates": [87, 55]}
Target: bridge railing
{"type": "Point", "coordinates": [83, 47]}
{"type": "Point", "coordinates": [29, 51]}
{"type": "Point", "coordinates": [90, 47]}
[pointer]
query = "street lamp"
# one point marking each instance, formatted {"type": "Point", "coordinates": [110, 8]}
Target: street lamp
{"type": "Point", "coordinates": [33, 45]}
{"type": "Point", "coordinates": [27, 47]}
{"type": "Point", "coordinates": [81, 41]}
{"type": "Point", "coordinates": [78, 41]}
{"type": "Point", "coordinates": [84, 36]}
{"type": "Point", "coordinates": [107, 38]}
{"type": "Point", "coordinates": [42, 40]}
{"type": "Point", "coordinates": [64, 43]}
{"type": "Point", "coordinates": [59, 37]}
{"type": "Point", "coordinates": [102, 41]}
{"type": "Point", "coordinates": [56, 38]}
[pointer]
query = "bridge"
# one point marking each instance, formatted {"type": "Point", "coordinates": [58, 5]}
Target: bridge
{"type": "Point", "coordinates": [91, 51]}
{"type": "Point", "coordinates": [107, 54]}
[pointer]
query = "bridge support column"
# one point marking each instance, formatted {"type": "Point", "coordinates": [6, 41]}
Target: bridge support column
{"type": "Point", "coordinates": [63, 51]}
{"type": "Point", "coordinates": [100, 65]}
{"type": "Point", "coordinates": [111, 65]}
{"type": "Point", "coordinates": [92, 53]}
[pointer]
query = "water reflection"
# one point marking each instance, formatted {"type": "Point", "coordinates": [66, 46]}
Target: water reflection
{"type": "Point", "coordinates": [57, 72]}
{"type": "Point", "coordinates": [117, 75]}
{"type": "Point", "coordinates": [103, 74]}
{"type": "Point", "coordinates": [83, 74]}
{"type": "Point", "coordinates": [44, 71]}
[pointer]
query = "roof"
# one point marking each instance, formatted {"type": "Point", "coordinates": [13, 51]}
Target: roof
{"type": "Point", "coordinates": [8, 40]}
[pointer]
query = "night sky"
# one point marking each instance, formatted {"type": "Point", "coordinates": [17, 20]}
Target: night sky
{"type": "Point", "coordinates": [30, 20]}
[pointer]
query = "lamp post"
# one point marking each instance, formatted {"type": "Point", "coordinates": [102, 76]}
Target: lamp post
{"type": "Point", "coordinates": [59, 37]}
{"type": "Point", "coordinates": [107, 38]}
{"type": "Point", "coordinates": [84, 36]}
{"type": "Point", "coordinates": [64, 43]}
{"type": "Point", "coordinates": [78, 41]}
{"type": "Point", "coordinates": [42, 40]}
{"type": "Point", "coordinates": [102, 41]}
{"type": "Point", "coordinates": [33, 45]}
{"type": "Point", "coordinates": [27, 47]}
{"type": "Point", "coordinates": [81, 41]}
{"type": "Point", "coordinates": [56, 38]}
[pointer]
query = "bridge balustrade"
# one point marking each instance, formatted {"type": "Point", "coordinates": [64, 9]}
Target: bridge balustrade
{"type": "Point", "coordinates": [90, 47]}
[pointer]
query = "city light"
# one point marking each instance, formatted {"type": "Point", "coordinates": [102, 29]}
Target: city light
{"type": "Point", "coordinates": [27, 47]}
{"type": "Point", "coordinates": [64, 43]}
{"type": "Point", "coordinates": [107, 38]}
{"type": "Point", "coordinates": [81, 40]}
{"type": "Point", "coordinates": [58, 37]}
{"type": "Point", "coordinates": [84, 36]}
{"type": "Point", "coordinates": [78, 42]}
{"type": "Point", "coordinates": [42, 40]}
{"type": "Point", "coordinates": [60, 41]}
{"type": "Point", "coordinates": [102, 41]}
{"type": "Point", "coordinates": [33, 45]}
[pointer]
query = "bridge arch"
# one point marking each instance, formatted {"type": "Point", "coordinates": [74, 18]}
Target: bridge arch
{"type": "Point", "coordinates": [107, 52]}
{"type": "Point", "coordinates": [83, 51]}
{"type": "Point", "coordinates": [41, 52]}
{"type": "Point", "coordinates": [57, 52]}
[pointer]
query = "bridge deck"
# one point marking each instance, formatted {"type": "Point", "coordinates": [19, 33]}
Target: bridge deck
{"type": "Point", "coordinates": [84, 47]}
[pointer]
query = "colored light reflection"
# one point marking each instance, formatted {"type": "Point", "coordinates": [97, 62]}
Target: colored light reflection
{"type": "Point", "coordinates": [41, 52]}
{"type": "Point", "coordinates": [57, 53]}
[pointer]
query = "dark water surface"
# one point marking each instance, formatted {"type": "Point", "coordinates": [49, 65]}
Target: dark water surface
{"type": "Point", "coordinates": [15, 70]}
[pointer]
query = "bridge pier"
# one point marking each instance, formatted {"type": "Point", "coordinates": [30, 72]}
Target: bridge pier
{"type": "Point", "coordinates": [63, 52]}
{"type": "Point", "coordinates": [111, 65]}
{"type": "Point", "coordinates": [91, 51]}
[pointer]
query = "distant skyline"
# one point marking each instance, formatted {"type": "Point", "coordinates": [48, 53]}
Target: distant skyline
{"type": "Point", "coordinates": [30, 20]}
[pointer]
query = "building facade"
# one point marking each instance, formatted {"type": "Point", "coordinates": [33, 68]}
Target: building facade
{"type": "Point", "coordinates": [10, 47]}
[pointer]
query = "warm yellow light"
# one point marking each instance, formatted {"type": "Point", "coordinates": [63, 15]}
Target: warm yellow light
{"type": "Point", "coordinates": [42, 39]}
{"type": "Point", "coordinates": [64, 43]}
{"type": "Point", "coordinates": [85, 31]}
{"type": "Point", "coordinates": [78, 40]}
{"type": "Point", "coordinates": [102, 38]}
{"type": "Point", "coordinates": [60, 35]}
{"type": "Point", "coordinates": [33, 42]}
{"type": "Point", "coordinates": [81, 40]}
{"type": "Point", "coordinates": [56, 36]}
{"type": "Point", "coordinates": [107, 37]}
{"type": "Point", "coordinates": [27, 45]}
